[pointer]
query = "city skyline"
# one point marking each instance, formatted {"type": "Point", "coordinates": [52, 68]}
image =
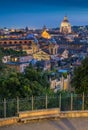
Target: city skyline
{"type": "Point", "coordinates": [36, 13]}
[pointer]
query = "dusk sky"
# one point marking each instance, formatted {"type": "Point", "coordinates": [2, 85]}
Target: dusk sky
{"type": "Point", "coordinates": [37, 13]}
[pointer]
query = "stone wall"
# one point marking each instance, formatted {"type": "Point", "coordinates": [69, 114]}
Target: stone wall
{"type": "Point", "coordinates": [56, 111]}
{"type": "Point", "coordinates": [8, 121]}
{"type": "Point", "coordinates": [67, 114]}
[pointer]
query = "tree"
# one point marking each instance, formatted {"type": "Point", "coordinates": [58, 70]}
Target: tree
{"type": "Point", "coordinates": [9, 84]}
{"type": "Point", "coordinates": [80, 78]}
{"type": "Point", "coordinates": [1, 56]}
{"type": "Point", "coordinates": [13, 84]}
{"type": "Point", "coordinates": [38, 80]}
{"type": "Point", "coordinates": [31, 82]}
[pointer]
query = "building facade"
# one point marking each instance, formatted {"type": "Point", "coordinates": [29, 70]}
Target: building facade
{"type": "Point", "coordinates": [26, 45]}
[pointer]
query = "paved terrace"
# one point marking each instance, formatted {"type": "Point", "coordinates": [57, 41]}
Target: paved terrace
{"type": "Point", "coordinates": [60, 124]}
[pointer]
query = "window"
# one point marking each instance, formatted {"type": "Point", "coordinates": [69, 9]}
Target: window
{"type": "Point", "coordinates": [5, 42]}
{"type": "Point", "coordinates": [25, 41]}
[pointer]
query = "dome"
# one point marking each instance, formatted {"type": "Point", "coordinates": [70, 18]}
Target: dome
{"type": "Point", "coordinates": [65, 26]}
{"type": "Point", "coordinates": [65, 22]}
{"type": "Point", "coordinates": [45, 35]}
{"type": "Point", "coordinates": [32, 37]}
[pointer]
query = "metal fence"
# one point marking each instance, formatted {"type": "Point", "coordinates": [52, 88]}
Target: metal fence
{"type": "Point", "coordinates": [69, 102]}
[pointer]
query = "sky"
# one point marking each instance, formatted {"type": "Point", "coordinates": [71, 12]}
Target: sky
{"type": "Point", "coordinates": [37, 13]}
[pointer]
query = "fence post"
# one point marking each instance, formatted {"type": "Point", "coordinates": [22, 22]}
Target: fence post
{"type": "Point", "coordinates": [46, 101]}
{"type": "Point", "coordinates": [83, 101]}
{"type": "Point", "coordinates": [32, 102]}
{"type": "Point", "coordinates": [17, 105]}
{"type": "Point", "coordinates": [71, 101]}
{"type": "Point", "coordinates": [4, 107]}
{"type": "Point", "coordinates": [60, 101]}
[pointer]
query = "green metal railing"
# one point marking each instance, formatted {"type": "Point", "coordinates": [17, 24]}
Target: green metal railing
{"type": "Point", "coordinates": [69, 102]}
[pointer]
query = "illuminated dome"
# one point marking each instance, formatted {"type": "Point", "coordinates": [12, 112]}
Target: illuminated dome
{"type": "Point", "coordinates": [45, 34]}
{"type": "Point", "coordinates": [65, 26]}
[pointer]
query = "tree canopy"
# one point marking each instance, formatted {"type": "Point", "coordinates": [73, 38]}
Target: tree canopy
{"type": "Point", "coordinates": [31, 82]}
{"type": "Point", "coordinates": [12, 83]}
{"type": "Point", "coordinates": [80, 78]}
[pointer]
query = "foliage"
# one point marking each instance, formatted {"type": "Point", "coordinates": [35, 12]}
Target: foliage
{"type": "Point", "coordinates": [1, 55]}
{"type": "Point", "coordinates": [80, 78]}
{"type": "Point", "coordinates": [38, 80]}
{"type": "Point", "coordinates": [65, 75]}
{"type": "Point", "coordinates": [32, 82]}
{"type": "Point", "coordinates": [12, 83]}
{"type": "Point", "coordinates": [14, 52]}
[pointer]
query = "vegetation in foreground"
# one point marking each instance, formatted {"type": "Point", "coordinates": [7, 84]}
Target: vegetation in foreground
{"type": "Point", "coordinates": [35, 81]}
{"type": "Point", "coordinates": [80, 78]}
